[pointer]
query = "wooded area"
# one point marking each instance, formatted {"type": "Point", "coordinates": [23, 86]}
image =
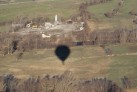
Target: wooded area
{"type": "Point", "coordinates": [59, 83]}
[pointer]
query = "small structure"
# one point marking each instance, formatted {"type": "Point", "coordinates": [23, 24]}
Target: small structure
{"type": "Point", "coordinates": [46, 36]}
{"type": "Point", "coordinates": [82, 23]}
{"type": "Point", "coordinates": [28, 25]}
{"type": "Point", "coordinates": [81, 28]}
{"type": "Point", "coordinates": [56, 20]}
{"type": "Point", "coordinates": [48, 25]}
{"type": "Point", "coordinates": [57, 28]}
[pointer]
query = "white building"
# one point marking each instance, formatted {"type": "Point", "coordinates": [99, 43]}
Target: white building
{"type": "Point", "coordinates": [46, 36]}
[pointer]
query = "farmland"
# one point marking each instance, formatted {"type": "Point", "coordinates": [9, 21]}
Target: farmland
{"type": "Point", "coordinates": [67, 8]}
{"type": "Point", "coordinates": [85, 62]}
{"type": "Point", "coordinates": [122, 20]}
{"type": "Point", "coordinates": [49, 8]}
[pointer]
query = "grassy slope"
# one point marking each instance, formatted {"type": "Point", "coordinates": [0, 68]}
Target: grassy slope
{"type": "Point", "coordinates": [43, 62]}
{"type": "Point", "coordinates": [122, 19]}
{"type": "Point", "coordinates": [120, 65]}
{"type": "Point", "coordinates": [123, 48]}
{"type": "Point", "coordinates": [125, 65]}
{"type": "Point", "coordinates": [67, 8]}
{"type": "Point", "coordinates": [49, 8]}
{"type": "Point", "coordinates": [63, 8]}
{"type": "Point", "coordinates": [85, 62]}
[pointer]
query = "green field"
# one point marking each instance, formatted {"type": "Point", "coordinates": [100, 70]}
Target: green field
{"type": "Point", "coordinates": [67, 8]}
{"type": "Point", "coordinates": [63, 8]}
{"type": "Point", "coordinates": [123, 48]}
{"type": "Point", "coordinates": [85, 62]}
{"type": "Point", "coordinates": [44, 61]}
{"type": "Point", "coordinates": [123, 66]}
{"type": "Point", "coordinates": [48, 8]}
{"type": "Point", "coordinates": [122, 20]}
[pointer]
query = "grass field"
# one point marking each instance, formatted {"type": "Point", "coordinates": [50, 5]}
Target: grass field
{"type": "Point", "coordinates": [123, 66]}
{"type": "Point", "coordinates": [49, 8]}
{"type": "Point", "coordinates": [122, 20]}
{"type": "Point", "coordinates": [67, 8]}
{"type": "Point", "coordinates": [123, 48]}
{"type": "Point", "coordinates": [85, 62]}
{"type": "Point", "coordinates": [63, 8]}
{"type": "Point", "coordinates": [44, 61]}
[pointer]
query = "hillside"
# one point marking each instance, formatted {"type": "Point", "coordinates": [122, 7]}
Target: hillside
{"type": "Point", "coordinates": [122, 19]}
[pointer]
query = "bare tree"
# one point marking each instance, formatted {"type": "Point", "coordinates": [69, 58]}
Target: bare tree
{"type": "Point", "coordinates": [4, 51]}
{"type": "Point", "coordinates": [135, 21]}
{"type": "Point", "coordinates": [19, 55]}
{"type": "Point", "coordinates": [109, 14]}
{"type": "Point", "coordinates": [120, 3]}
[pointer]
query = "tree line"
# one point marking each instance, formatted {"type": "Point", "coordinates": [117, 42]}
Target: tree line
{"type": "Point", "coordinates": [114, 37]}
{"type": "Point", "coordinates": [14, 42]}
{"type": "Point", "coordinates": [58, 83]}
{"type": "Point", "coordinates": [114, 11]}
{"type": "Point", "coordinates": [83, 13]}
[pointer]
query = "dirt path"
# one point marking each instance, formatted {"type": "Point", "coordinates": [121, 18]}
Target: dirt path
{"type": "Point", "coordinates": [124, 54]}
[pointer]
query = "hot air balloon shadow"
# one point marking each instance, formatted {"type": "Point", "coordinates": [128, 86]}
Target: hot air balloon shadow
{"type": "Point", "coordinates": [62, 52]}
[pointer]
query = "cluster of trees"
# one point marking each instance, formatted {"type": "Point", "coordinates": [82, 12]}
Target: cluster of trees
{"type": "Point", "coordinates": [115, 10]}
{"type": "Point", "coordinates": [94, 2]}
{"type": "Point", "coordinates": [84, 14]}
{"type": "Point", "coordinates": [114, 37]}
{"type": "Point", "coordinates": [135, 21]}
{"type": "Point", "coordinates": [133, 13]}
{"type": "Point", "coordinates": [13, 42]}
{"type": "Point", "coordinates": [2, 23]}
{"type": "Point", "coordinates": [22, 21]}
{"type": "Point", "coordinates": [4, 1]}
{"type": "Point", "coordinates": [59, 83]}
{"type": "Point", "coordinates": [112, 13]}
